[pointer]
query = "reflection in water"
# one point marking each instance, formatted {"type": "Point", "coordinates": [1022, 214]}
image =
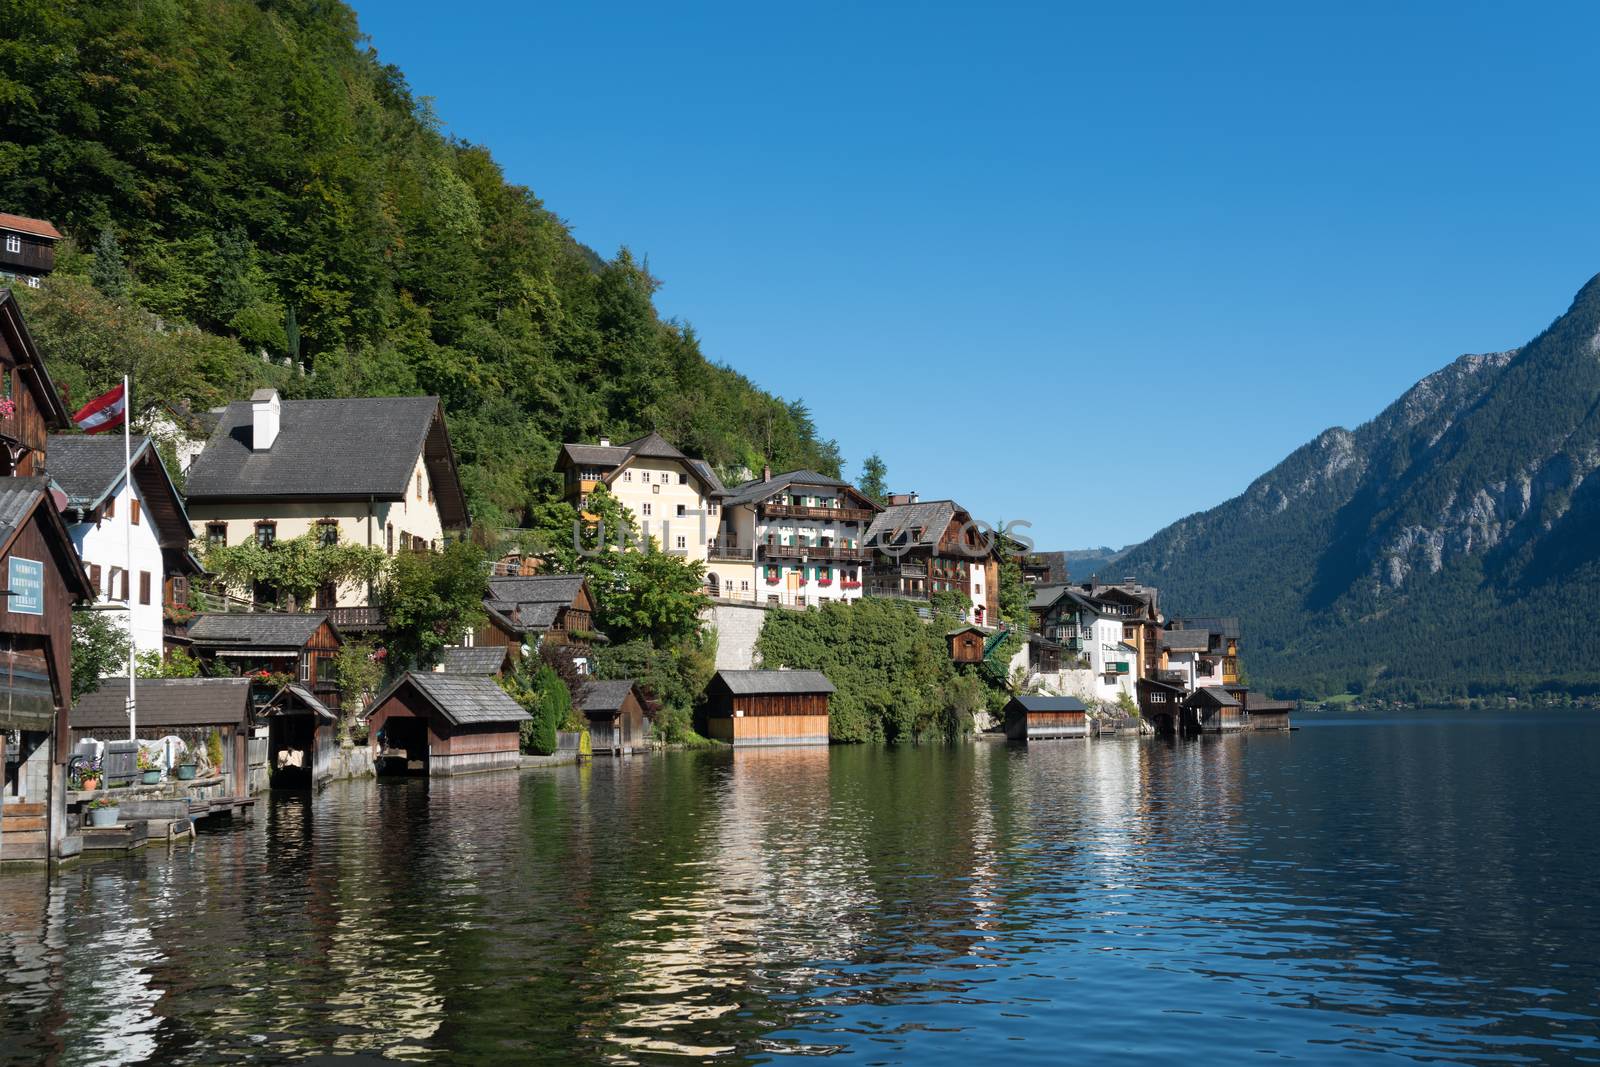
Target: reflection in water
{"type": "Point", "coordinates": [1349, 889]}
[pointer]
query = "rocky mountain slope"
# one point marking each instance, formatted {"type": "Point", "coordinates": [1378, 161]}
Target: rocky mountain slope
{"type": "Point", "coordinates": [1449, 547]}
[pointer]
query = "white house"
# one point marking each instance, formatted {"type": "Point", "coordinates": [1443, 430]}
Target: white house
{"type": "Point", "coordinates": [673, 498]}
{"type": "Point", "coordinates": [105, 515]}
{"type": "Point", "coordinates": [1086, 637]}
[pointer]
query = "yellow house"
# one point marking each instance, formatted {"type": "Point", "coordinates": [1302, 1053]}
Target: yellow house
{"type": "Point", "coordinates": [373, 471]}
{"type": "Point", "coordinates": [675, 499]}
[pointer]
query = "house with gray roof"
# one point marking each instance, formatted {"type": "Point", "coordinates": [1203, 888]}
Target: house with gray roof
{"type": "Point", "coordinates": [615, 710]}
{"type": "Point", "coordinates": [376, 471]}
{"type": "Point", "coordinates": [287, 647]}
{"type": "Point", "coordinates": [768, 707]}
{"type": "Point", "coordinates": [1037, 717]}
{"type": "Point", "coordinates": [190, 708]}
{"type": "Point", "coordinates": [531, 610]}
{"type": "Point", "coordinates": [796, 539]}
{"type": "Point", "coordinates": [133, 539]}
{"type": "Point", "coordinates": [926, 547]}
{"type": "Point", "coordinates": [444, 723]}
{"type": "Point", "coordinates": [675, 500]}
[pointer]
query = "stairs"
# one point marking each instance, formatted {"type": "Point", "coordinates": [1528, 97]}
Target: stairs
{"type": "Point", "coordinates": [24, 831]}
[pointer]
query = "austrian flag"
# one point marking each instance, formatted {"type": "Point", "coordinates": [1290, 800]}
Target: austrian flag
{"type": "Point", "coordinates": [103, 412]}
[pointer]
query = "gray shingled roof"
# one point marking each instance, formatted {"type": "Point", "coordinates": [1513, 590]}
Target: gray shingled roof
{"type": "Point", "coordinates": [1219, 695]}
{"type": "Point", "coordinates": [20, 500]}
{"type": "Point", "coordinates": [931, 518]}
{"type": "Point", "coordinates": [1227, 626]}
{"type": "Point", "coordinates": [264, 629]}
{"type": "Point", "coordinates": [1037, 702]}
{"type": "Point", "coordinates": [1045, 596]}
{"type": "Point", "coordinates": [713, 483]}
{"type": "Point", "coordinates": [606, 696]}
{"type": "Point", "coordinates": [582, 455]}
{"type": "Point", "coordinates": [761, 488]}
{"type": "Point", "coordinates": [475, 659]}
{"type": "Point", "coordinates": [536, 589]}
{"type": "Point", "coordinates": [756, 683]}
{"type": "Point", "coordinates": [355, 447]}
{"type": "Point", "coordinates": [164, 702]}
{"type": "Point", "coordinates": [1186, 640]}
{"type": "Point", "coordinates": [462, 698]}
{"type": "Point", "coordinates": [18, 497]}
{"type": "Point", "coordinates": [88, 466]}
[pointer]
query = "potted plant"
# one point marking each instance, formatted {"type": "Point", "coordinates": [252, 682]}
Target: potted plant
{"type": "Point", "coordinates": [187, 765]}
{"type": "Point", "coordinates": [103, 811]}
{"type": "Point", "coordinates": [149, 767]}
{"type": "Point", "coordinates": [86, 775]}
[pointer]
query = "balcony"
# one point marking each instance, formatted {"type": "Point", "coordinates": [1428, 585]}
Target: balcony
{"type": "Point", "coordinates": [716, 549]}
{"type": "Point", "coordinates": [354, 620]}
{"type": "Point", "coordinates": [804, 551]}
{"type": "Point", "coordinates": [800, 511]}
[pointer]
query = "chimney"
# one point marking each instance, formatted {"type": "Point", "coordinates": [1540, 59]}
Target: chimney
{"type": "Point", "coordinates": [605, 442]}
{"type": "Point", "coordinates": [766, 472]}
{"type": "Point", "coordinates": [902, 498]}
{"type": "Point", "coordinates": [263, 419]}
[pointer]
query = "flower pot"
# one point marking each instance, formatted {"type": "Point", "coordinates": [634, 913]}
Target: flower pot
{"type": "Point", "coordinates": [151, 777]}
{"type": "Point", "coordinates": [89, 785]}
{"type": "Point", "coordinates": [104, 816]}
{"type": "Point", "coordinates": [186, 772]}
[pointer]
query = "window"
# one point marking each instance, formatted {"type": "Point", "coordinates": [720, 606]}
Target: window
{"type": "Point", "coordinates": [645, 507]}
{"type": "Point", "coordinates": [124, 596]}
{"type": "Point", "coordinates": [33, 281]}
{"type": "Point", "coordinates": [13, 243]}
{"type": "Point", "coordinates": [94, 576]}
{"type": "Point", "coordinates": [133, 511]}
{"type": "Point", "coordinates": [327, 670]}
{"type": "Point", "coordinates": [681, 545]}
{"type": "Point", "coordinates": [327, 531]}
{"type": "Point", "coordinates": [683, 478]}
{"type": "Point", "coordinates": [682, 511]}
{"type": "Point", "coordinates": [144, 587]}
{"type": "Point", "coordinates": [744, 585]}
{"type": "Point", "coordinates": [711, 507]}
{"type": "Point", "coordinates": [388, 538]}
{"type": "Point", "coordinates": [627, 476]}
{"type": "Point", "coordinates": [644, 476]}
{"type": "Point", "coordinates": [305, 666]}
{"type": "Point", "coordinates": [266, 533]}
{"type": "Point", "coordinates": [419, 485]}
{"type": "Point", "coordinates": [216, 534]}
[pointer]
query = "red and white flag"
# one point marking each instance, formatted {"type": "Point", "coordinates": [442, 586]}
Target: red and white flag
{"type": "Point", "coordinates": [103, 412]}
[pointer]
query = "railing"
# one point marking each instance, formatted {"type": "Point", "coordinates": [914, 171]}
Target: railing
{"type": "Point", "coordinates": [802, 511]}
{"type": "Point", "coordinates": [784, 597]}
{"type": "Point", "coordinates": [815, 552]}
{"type": "Point", "coordinates": [356, 618]}
{"type": "Point", "coordinates": [718, 550]}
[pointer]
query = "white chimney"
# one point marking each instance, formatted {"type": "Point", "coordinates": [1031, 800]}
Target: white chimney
{"type": "Point", "coordinates": [605, 442]}
{"type": "Point", "coordinates": [264, 411]}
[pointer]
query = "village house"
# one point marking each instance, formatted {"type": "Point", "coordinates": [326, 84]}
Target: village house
{"type": "Point", "coordinates": [922, 548]}
{"type": "Point", "coordinates": [527, 612]}
{"type": "Point", "coordinates": [795, 538]}
{"type": "Point", "coordinates": [1033, 717]}
{"type": "Point", "coordinates": [768, 707]}
{"type": "Point", "coordinates": [107, 517]}
{"type": "Point", "coordinates": [376, 471]}
{"type": "Point", "coordinates": [615, 714]}
{"type": "Point", "coordinates": [1077, 633]}
{"type": "Point", "coordinates": [44, 580]}
{"type": "Point", "coordinates": [27, 249]}
{"type": "Point", "coordinates": [441, 723]}
{"type": "Point", "coordinates": [289, 648]}
{"type": "Point", "coordinates": [967, 644]}
{"type": "Point", "coordinates": [674, 499]}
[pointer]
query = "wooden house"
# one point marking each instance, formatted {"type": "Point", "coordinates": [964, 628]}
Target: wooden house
{"type": "Point", "coordinates": [27, 249]}
{"type": "Point", "coordinates": [768, 707]}
{"type": "Point", "coordinates": [1030, 717]}
{"type": "Point", "coordinates": [190, 708]}
{"type": "Point", "coordinates": [441, 723]}
{"type": "Point", "coordinates": [1161, 703]}
{"type": "Point", "coordinates": [1264, 714]}
{"type": "Point", "coordinates": [1212, 709]}
{"type": "Point", "coordinates": [555, 609]}
{"type": "Point", "coordinates": [966, 644]}
{"type": "Point", "coordinates": [287, 647]}
{"type": "Point", "coordinates": [615, 711]}
{"type": "Point", "coordinates": [36, 408]}
{"type": "Point", "coordinates": [922, 548]}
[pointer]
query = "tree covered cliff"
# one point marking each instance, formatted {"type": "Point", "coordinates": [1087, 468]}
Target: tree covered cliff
{"type": "Point", "coordinates": [253, 170]}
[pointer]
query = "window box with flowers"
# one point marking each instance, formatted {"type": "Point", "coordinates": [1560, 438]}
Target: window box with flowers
{"type": "Point", "coordinates": [8, 407]}
{"type": "Point", "coordinates": [824, 581]}
{"type": "Point", "coordinates": [849, 585]}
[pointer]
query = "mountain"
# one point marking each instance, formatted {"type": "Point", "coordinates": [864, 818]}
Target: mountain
{"type": "Point", "coordinates": [246, 178]}
{"type": "Point", "coordinates": [1448, 548]}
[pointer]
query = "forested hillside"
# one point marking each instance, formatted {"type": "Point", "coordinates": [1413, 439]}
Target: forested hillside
{"type": "Point", "coordinates": [254, 171]}
{"type": "Point", "coordinates": [1448, 548]}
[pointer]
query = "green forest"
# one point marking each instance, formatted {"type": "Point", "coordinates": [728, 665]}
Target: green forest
{"type": "Point", "coordinates": [251, 196]}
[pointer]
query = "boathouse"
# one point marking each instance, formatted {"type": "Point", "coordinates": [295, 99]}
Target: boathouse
{"type": "Point", "coordinates": [966, 644]}
{"type": "Point", "coordinates": [1212, 709]}
{"type": "Point", "coordinates": [1263, 714]}
{"type": "Point", "coordinates": [189, 708]}
{"type": "Point", "coordinates": [768, 707]}
{"type": "Point", "coordinates": [615, 711]}
{"type": "Point", "coordinates": [438, 723]}
{"type": "Point", "coordinates": [1032, 717]}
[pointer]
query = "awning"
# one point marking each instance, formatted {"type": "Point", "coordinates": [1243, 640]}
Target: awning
{"type": "Point", "coordinates": [258, 653]}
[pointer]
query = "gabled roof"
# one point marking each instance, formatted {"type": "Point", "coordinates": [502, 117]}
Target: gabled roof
{"type": "Point", "coordinates": [606, 696]}
{"type": "Point", "coordinates": [709, 476]}
{"type": "Point", "coordinates": [532, 602]}
{"type": "Point", "coordinates": [476, 659]}
{"type": "Point", "coordinates": [23, 498]}
{"type": "Point", "coordinates": [651, 446]}
{"type": "Point", "coordinates": [164, 702]}
{"type": "Point", "coordinates": [347, 449]}
{"type": "Point", "coordinates": [1186, 640]}
{"type": "Point", "coordinates": [761, 488]}
{"type": "Point", "coordinates": [255, 629]}
{"type": "Point", "coordinates": [1215, 695]}
{"type": "Point", "coordinates": [88, 469]}
{"type": "Point", "coordinates": [1036, 702]}
{"type": "Point", "coordinates": [929, 519]}
{"type": "Point", "coordinates": [34, 375]}
{"type": "Point", "coordinates": [1045, 596]}
{"type": "Point", "coordinates": [23, 224]}
{"type": "Point", "coordinates": [1222, 625]}
{"type": "Point", "coordinates": [460, 698]}
{"type": "Point", "coordinates": [759, 683]}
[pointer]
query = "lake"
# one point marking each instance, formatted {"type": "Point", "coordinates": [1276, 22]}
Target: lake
{"type": "Point", "coordinates": [1421, 885]}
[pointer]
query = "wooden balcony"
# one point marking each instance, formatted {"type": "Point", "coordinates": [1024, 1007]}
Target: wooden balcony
{"type": "Point", "coordinates": [803, 551]}
{"type": "Point", "coordinates": [797, 511]}
{"type": "Point", "coordinates": [355, 620]}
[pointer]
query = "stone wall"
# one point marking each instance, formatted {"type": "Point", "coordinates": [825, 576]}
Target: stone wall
{"type": "Point", "coordinates": [738, 626]}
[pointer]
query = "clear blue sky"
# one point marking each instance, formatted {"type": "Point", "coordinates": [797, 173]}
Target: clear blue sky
{"type": "Point", "coordinates": [1097, 272]}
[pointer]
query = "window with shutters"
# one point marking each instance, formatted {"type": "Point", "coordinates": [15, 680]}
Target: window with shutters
{"type": "Point", "coordinates": [144, 587]}
{"type": "Point", "coordinates": [327, 532]}
{"type": "Point", "coordinates": [266, 533]}
{"type": "Point", "coordinates": [124, 591]}
{"type": "Point", "coordinates": [94, 576]}
{"type": "Point", "coordinates": [133, 511]}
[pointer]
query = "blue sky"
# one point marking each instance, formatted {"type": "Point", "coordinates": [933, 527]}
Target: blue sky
{"type": "Point", "coordinates": [1097, 272]}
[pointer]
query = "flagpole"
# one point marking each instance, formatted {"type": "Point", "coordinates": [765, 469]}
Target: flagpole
{"type": "Point", "coordinates": [127, 526]}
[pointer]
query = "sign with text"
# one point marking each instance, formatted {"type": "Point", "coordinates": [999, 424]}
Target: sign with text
{"type": "Point", "coordinates": [25, 581]}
